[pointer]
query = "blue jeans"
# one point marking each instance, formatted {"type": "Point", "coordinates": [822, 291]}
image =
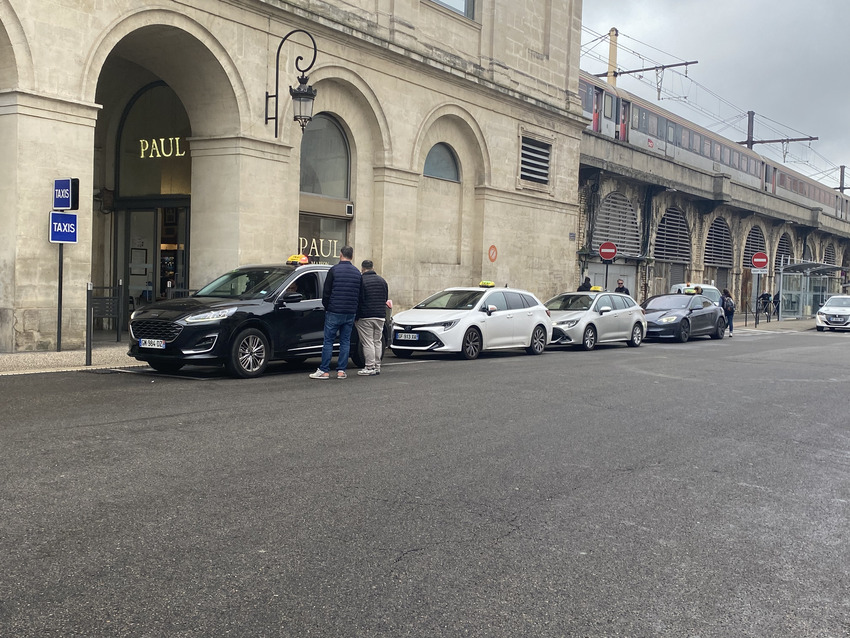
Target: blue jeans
{"type": "Point", "coordinates": [729, 322]}
{"type": "Point", "coordinates": [336, 323]}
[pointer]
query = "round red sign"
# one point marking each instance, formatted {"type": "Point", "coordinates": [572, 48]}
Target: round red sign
{"type": "Point", "coordinates": [759, 260]}
{"type": "Point", "coordinates": [492, 253]}
{"type": "Point", "coordinates": [607, 250]}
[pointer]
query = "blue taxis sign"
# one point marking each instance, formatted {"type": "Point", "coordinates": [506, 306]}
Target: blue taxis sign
{"type": "Point", "coordinates": [63, 227]}
{"type": "Point", "coordinates": [66, 194]}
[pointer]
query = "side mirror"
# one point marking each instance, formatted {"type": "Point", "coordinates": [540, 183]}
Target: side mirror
{"type": "Point", "coordinates": [605, 309]}
{"type": "Point", "coordinates": [489, 309]}
{"type": "Point", "coordinates": [289, 297]}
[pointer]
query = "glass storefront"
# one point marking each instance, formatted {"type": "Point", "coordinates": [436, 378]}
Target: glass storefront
{"type": "Point", "coordinates": [154, 171]}
{"type": "Point", "coordinates": [320, 238]}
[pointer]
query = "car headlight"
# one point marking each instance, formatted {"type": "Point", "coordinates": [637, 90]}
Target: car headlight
{"type": "Point", "coordinates": [667, 319]}
{"type": "Point", "coordinates": [448, 325]}
{"type": "Point", "coordinates": [567, 323]}
{"type": "Point", "coordinates": [821, 314]}
{"type": "Point", "coordinates": [211, 315]}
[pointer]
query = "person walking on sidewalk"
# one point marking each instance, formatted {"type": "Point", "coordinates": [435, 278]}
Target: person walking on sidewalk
{"type": "Point", "coordinates": [728, 306]}
{"type": "Point", "coordinates": [371, 314]}
{"type": "Point", "coordinates": [340, 297]}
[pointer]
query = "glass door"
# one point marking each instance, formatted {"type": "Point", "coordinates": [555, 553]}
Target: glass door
{"type": "Point", "coordinates": [152, 254]}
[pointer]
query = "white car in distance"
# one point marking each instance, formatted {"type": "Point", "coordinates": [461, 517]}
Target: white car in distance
{"type": "Point", "coordinates": [469, 320]}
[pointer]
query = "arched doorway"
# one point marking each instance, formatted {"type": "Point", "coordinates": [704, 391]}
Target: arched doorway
{"type": "Point", "coordinates": [154, 85]}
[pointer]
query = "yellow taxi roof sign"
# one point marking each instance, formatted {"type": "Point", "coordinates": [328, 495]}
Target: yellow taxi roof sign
{"type": "Point", "coordinates": [487, 284]}
{"type": "Point", "coordinates": [297, 260]}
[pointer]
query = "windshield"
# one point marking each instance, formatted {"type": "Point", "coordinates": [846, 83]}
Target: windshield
{"type": "Point", "coordinates": [837, 302]}
{"type": "Point", "coordinates": [452, 300]}
{"type": "Point", "coordinates": [246, 283]}
{"type": "Point", "coordinates": [570, 302]}
{"type": "Point", "coordinates": [668, 302]}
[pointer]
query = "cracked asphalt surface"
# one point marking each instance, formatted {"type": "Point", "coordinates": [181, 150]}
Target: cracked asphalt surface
{"type": "Point", "coordinates": [698, 489]}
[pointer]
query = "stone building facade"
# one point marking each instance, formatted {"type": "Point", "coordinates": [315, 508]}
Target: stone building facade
{"type": "Point", "coordinates": [444, 146]}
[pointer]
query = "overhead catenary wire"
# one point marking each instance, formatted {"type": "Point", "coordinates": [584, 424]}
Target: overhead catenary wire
{"type": "Point", "coordinates": [692, 95]}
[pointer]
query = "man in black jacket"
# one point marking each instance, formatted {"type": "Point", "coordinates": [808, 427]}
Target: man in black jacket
{"type": "Point", "coordinates": [371, 313]}
{"type": "Point", "coordinates": [340, 297]}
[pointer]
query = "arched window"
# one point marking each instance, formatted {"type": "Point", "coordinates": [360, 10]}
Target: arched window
{"type": "Point", "coordinates": [441, 163]}
{"type": "Point", "coordinates": [324, 159]}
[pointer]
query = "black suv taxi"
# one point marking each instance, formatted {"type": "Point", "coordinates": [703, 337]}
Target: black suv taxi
{"type": "Point", "coordinates": [244, 319]}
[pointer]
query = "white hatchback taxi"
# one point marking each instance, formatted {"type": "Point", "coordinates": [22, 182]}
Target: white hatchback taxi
{"type": "Point", "coordinates": [469, 320]}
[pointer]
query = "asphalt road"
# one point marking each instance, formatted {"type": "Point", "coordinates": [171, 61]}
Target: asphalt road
{"type": "Point", "coordinates": [682, 490]}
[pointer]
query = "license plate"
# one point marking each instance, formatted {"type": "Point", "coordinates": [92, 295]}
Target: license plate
{"type": "Point", "coordinates": [837, 319]}
{"type": "Point", "coordinates": [152, 343]}
{"type": "Point", "coordinates": [407, 336]}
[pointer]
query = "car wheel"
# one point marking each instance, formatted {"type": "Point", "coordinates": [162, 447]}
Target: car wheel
{"type": "Point", "coordinates": [249, 354]}
{"type": "Point", "coordinates": [637, 336]}
{"type": "Point", "coordinates": [684, 331]}
{"type": "Point", "coordinates": [471, 345]}
{"type": "Point", "coordinates": [165, 366]}
{"type": "Point", "coordinates": [819, 328]}
{"type": "Point", "coordinates": [588, 339]}
{"type": "Point", "coordinates": [538, 341]}
{"type": "Point", "coordinates": [402, 354]}
{"type": "Point", "coordinates": [720, 329]}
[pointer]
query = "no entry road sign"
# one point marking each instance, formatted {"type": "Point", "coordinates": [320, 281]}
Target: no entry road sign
{"type": "Point", "coordinates": [607, 250]}
{"type": "Point", "coordinates": [759, 260]}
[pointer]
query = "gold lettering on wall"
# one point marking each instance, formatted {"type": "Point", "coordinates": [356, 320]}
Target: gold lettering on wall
{"type": "Point", "coordinates": [159, 148]}
{"type": "Point", "coordinates": [318, 247]}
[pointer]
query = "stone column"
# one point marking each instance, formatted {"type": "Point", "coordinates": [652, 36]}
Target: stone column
{"type": "Point", "coordinates": [244, 205]}
{"type": "Point", "coordinates": [43, 139]}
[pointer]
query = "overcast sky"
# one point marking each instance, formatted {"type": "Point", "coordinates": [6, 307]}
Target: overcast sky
{"type": "Point", "coordinates": [784, 59]}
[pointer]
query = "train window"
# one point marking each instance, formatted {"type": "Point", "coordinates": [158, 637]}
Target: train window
{"type": "Point", "coordinates": [716, 152]}
{"type": "Point", "coordinates": [754, 168]}
{"type": "Point", "coordinates": [706, 147]}
{"type": "Point", "coordinates": [586, 95]}
{"type": "Point", "coordinates": [696, 142]}
{"type": "Point", "coordinates": [686, 135]}
{"type": "Point", "coordinates": [653, 124]}
{"type": "Point", "coordinates": [671, 132]}
{"type": "Point", "coordinates": [608, 107]}
{"type": "Point", "coordinates": [635, 118]}
{"type": "Point", "coordinates": [735, 157]}
{"type": "Point", "coordinates": [726, 155]}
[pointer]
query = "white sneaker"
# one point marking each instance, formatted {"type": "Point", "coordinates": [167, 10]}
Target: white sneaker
{"type": "Point", "coordinates": [366, 372]}
{"type": "Point", "coordinates": [318, 374]}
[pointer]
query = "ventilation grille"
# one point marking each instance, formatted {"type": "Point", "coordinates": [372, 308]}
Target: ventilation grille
{"type": "Point", "coordinates": [535, 161]}
{"type": "Point", "coordinates": [755, 244]}
{"type": "Point", "coordinates": [718, 246]}
{"type": "Point", "coordinates": [617, 222]}
{"type": "Point", "coordinates": [829, 255]}
{"type": "Point", "coordinates": [672, 241]}
{"type": "Point", "coordinates": [784, 252]}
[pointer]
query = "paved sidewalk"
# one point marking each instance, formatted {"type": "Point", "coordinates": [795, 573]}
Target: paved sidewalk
{"type": "Point", "coordinates": [796, 325]}
{"type": "Point", "coordinates": [104, 354]}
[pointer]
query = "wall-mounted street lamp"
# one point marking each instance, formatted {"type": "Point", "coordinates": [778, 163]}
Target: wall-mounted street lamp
{"type": "Point", "coordinates": [303, 96]}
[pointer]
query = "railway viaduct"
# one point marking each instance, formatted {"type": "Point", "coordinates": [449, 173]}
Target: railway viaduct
{"type": "Point", "coordinates": [674, 223]}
